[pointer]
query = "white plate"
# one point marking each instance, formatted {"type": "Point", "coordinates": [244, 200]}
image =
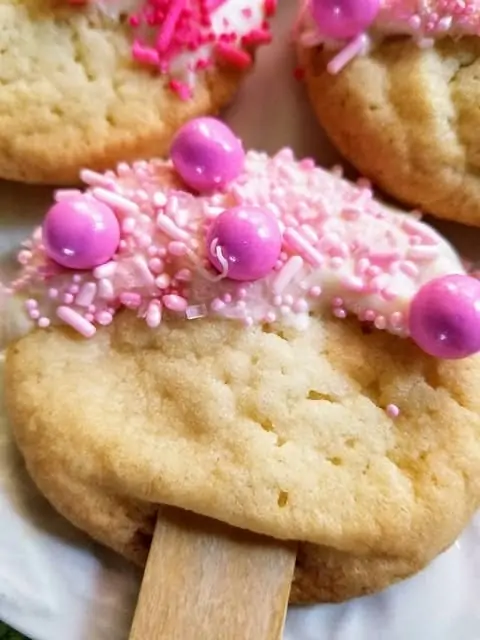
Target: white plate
{"type": "Point", "coordinates": [57, 585]}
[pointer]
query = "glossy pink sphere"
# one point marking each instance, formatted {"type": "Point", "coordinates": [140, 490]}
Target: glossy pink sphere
{"type": "Point", "coordinates": [444, 317]}
{"type": "Point", "coordinates": [207, 154]}
{"type": "Point", "coordinates": [248, 238]}
{"type": "Point", "coordinates": [80, 233]}
{"type": "Point", "coordinates": [344, 19]}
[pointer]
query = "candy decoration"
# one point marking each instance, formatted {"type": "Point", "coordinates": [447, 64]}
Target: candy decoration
{"type": "Point", "coordinates": [445, 317]}
{"type": "Point", "coordinates": [207, 154]}
{"type": "Point", "coordinates": [244, 243]}
{"type": "Point", "coordinates": [344, 19]}
{"type": "Point", "coordinates": [80, 233]}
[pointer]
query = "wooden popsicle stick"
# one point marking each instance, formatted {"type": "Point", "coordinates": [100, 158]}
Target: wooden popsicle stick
{"type": "Point", "coordinates": [205, 580]}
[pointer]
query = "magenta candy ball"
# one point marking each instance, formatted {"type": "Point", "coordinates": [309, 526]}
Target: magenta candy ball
{"type": "Point", "coordinates": [249, 239]}
{"type": "Point", "coordinates": [207, 154]}
{"type": "Point", "coordinates": [80, 233]}
{"type": "Point", "coordinates": [444, 317]}
{"type": "Point", "coordinates": [344, 19]}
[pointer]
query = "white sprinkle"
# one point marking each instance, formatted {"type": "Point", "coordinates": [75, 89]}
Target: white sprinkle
{"type": "Point", "coordinates": [159, 199]}
{"type": "Point", "coordinates": [76, 321]}
{"type": "Point", "coordinates": [95, 179]}
{"type": "Point", "coordinates": [286, 274]}
{"type": "Point", "coordinates": [105, 289]}
{"type": "Point", "coordinates": [105, 270]}
{"type": "Point", "coordinates": [168, 227]}
{"type": "Point", "coordinates": [86, 295]}
{"type": "Point", "coordinates": [154, 314]}
{"type": "Point", "coordinates": [163, 281]}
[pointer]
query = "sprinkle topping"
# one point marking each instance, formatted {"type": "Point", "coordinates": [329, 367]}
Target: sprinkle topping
{"type": "Point", "coordinates": [424, 20]}
{"type": "Point", "coordinates": [180, 38]}
{"type": "Point", "coordinates": [340, 249]}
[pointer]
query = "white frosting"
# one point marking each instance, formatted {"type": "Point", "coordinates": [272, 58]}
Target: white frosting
{"type": "Point", "coordinates": [236, 16]}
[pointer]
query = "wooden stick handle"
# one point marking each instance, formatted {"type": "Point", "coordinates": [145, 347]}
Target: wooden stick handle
{"type": "Point", "coordinates": [207, 581]}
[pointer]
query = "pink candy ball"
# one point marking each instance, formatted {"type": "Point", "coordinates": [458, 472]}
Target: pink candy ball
{"type": "Point", "coordinates": [80, 233]}
{"type": "Point", "coordinates": [344, 19]}
{"type": "Point", "coordinates": [444, 317]}
{"type": "Point", "coordinates": [207, 154]}
{"type": "Point", "coordinates": [248, 238]}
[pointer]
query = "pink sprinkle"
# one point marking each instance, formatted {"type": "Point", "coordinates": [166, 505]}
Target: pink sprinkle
{"type": "Point", "coordinates": [128, 225]}
{"type": "Point", "coordinates": [392, 410]}
{"type": "Point", "coordinates": [315, 292]}
{"type": "Point", "coordinates": [270, 317]}
{"type": "Point", "coordinates": [185, 275]}
{"type": "Point", "coordinates": [242, 293]}
{"type": "Point", "coordinates": [68, 298]}
{"type": "Point", "coordinates": [289, 270]}
{"type": "Point", "coordinates": [76, 321]}
{"type": "Point", "coordinates": [86, 294]}
{"type": "Point", "coordinates": [34, 314]}
{"type": "Point", "coordinates": [66, 194]}
{"type": "Point", "coordinates": [43, 322]}
{"type": "Point", "coordinates": [130, 299]}
{"type": "Point", "coordinates": [105, 270]}
{"type": "Point", "coordinates": [300, 305]}
{"type": "Point", "coordinates": [422, 252]}
{"type": "Point", "coordinates": [337, 302]}
{"type": "Point", "coordinates": [339, 313]}
{"type": "Point", "coordinates": [163, 281]}
{"type": "Point", "coordinates": [168, 227]}
{"type": "Point", "coordinates": [104, 318]}
{"type": "Point", "coordinates": [105, 289]}
{"type": "Point", "coordinates": [145, 55]}
{"type": "Point", "coordinates": [217, 305]}
{"type": "Point", "coordinates": [53, 293]}
{"type": "Point", "coordinates": [177, 249]}
{"type": "Point", "coordinates": [156, 265]}
{"type": "Point", "coordinates": [175, 303]}
{"type": "Point", "coordinates": [115, 201]}
{"type": "Point", "coordinates": [165, 35]}
{"type": "Point", "coordinates": [233, 55]}
{"type": "Point", "coordinates": [31, 304]}
{"type": "Point", "coordinates": [307, 251]}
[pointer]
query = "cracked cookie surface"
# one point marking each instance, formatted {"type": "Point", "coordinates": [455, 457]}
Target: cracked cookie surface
{"type": "Point", "coordinates": [71, 94]}
{"type": "Point", "coordinates": [408, 119]}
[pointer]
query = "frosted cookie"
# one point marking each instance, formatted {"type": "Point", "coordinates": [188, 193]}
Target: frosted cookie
{"type": "Point", "coordinates": [89, 84]}
{"type": "Point", "coordinates": [256, 340]}
{"type": "Point", "coordinates": [394, 85]}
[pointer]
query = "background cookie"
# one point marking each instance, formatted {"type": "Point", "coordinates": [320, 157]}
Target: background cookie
{"type": "Point", "coordinates": [402, 489]}
{"type": "Point", "coordinates": [407, 118]}
{"type": "Point", "coordinates": [73, 95]}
